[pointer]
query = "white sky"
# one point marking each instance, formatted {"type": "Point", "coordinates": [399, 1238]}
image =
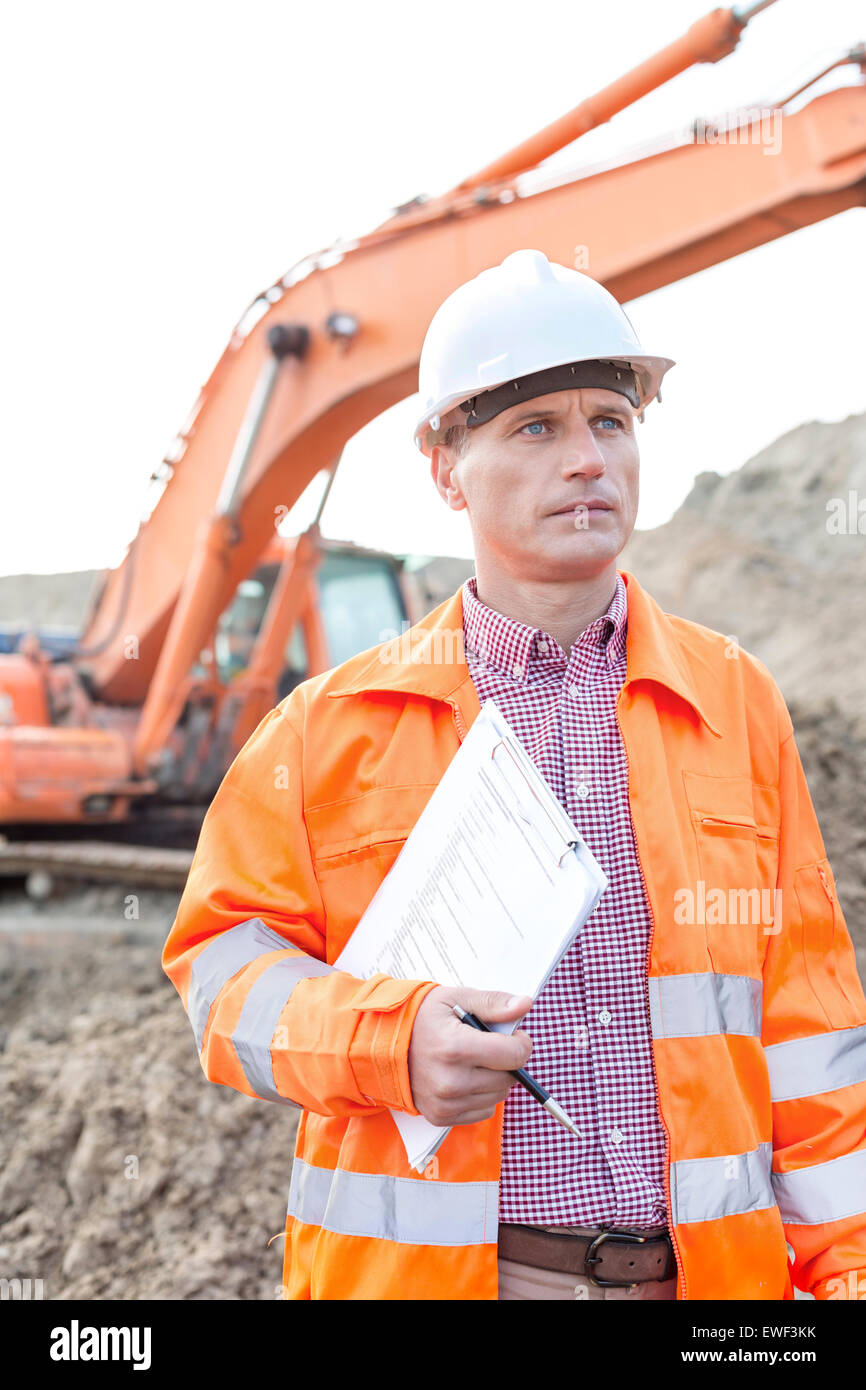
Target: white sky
{"type": "Point", "coordinates": [164, 163]}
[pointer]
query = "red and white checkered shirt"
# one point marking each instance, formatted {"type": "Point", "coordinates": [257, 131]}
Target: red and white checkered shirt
{"type": "Point", "coordinates": [590, 1028]}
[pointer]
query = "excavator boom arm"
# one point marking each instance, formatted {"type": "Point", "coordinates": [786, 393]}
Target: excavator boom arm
{"type": "Point", "coordinates": [361, 311]}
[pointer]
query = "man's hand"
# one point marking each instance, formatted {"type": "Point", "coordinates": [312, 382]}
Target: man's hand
{"type": "Point", "coordinates": [458, 1075]}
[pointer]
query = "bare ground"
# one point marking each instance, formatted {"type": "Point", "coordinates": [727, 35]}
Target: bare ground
{"type": "Point", "coordinates": [125, 1173]}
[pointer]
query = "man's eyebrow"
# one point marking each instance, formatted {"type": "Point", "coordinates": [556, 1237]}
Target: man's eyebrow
{"type": "Point", "coordinates": [540, 412]}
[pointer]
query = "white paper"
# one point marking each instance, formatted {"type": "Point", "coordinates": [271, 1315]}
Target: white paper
{"type": "Point", "coordinates": [486, 891]}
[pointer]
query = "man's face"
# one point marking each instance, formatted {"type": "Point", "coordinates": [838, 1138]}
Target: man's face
{"type": "Point", "coordinates": [527, 470]}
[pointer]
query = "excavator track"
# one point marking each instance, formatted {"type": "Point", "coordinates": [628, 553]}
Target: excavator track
{"type": "Point", "coordinates": [94, 861]}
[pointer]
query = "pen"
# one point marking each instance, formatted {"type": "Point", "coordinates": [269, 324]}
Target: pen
{"type": "Point", "coordinates": [537, 1092]}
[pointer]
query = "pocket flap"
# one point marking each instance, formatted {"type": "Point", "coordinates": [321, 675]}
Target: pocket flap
{"type": "Point", "coordinates": [384, 994]}
{"type": "Point", "coordinates": [732, 805]}
{"type": "Point", "coordinates": [380, 815]}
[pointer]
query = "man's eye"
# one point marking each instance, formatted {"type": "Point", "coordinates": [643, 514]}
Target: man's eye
{"type": "Point", "coordinates": [614, 418]}
{"type": "Point", "coordinates": [530, 425]}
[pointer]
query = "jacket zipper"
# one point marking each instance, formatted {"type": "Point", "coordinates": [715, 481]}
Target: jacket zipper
{"type": "Point", "coordinates": [762, 832]}
{"type": "Point", "coordinates": [674, 1245]}
{"type": "Point", "coordinates": [827, 890]}
{"type": "Point", "coordinates": [459, 722]}
{"type": "Point", "coordinates": [717, 820]}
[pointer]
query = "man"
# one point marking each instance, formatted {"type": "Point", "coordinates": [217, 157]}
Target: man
{"type": "Point", "coordinates": [712, 1052]}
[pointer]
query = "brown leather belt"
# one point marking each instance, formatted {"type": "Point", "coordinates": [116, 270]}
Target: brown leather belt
{"type": "Point", "coordinates": [612, 1257]}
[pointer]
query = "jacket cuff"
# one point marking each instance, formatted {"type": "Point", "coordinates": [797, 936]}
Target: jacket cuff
{"type": "Point", "coordinates": [379, 1053]}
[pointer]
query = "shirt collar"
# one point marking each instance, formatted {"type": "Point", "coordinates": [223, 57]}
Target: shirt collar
{"type": "Point", "coordinates": [429, 660]}
{"type": "Point", "coordinates": [519, 650]}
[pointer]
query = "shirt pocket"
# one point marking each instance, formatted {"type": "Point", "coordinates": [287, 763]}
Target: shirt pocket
{"type": "Point", "coordinates": [736, 828]}
{"type": "Point", "coordinates": [354, 843]}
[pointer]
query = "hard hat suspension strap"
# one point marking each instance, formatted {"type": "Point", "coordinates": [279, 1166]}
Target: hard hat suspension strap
{"type": "Point", "coordinates": [610, 376]}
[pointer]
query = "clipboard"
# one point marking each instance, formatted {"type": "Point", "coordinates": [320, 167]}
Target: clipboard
{"type": "Point", "coordinates": [489, 891]}
{"type": "Point", "coordinates": [570, 844]}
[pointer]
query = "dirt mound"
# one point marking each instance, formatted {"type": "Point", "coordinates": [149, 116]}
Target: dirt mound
{"type": "Point", "coordinates": [124, 1174]}
{"type": "Point", "coordinates": [774, 555]}
{"type": "Point", "coordinates": [31, 601]}
{"type": "Point", "coordinates": [771, 554]}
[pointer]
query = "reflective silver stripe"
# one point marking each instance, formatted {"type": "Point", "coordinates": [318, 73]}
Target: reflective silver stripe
{"type": "Point", "coordinates": [824, 1191]}
{"type": "Point", "coordinates": [220, 960]}
{"type": "Point", "coordinates": [407, 1210]}
{"type": "Point", "coordinates": [690, 1006]}
{"type": "Point", "coordinates": [821, 1062]}
{"type": "Point", "coordinates": [703, 1189]}
{"type": "Point", "coordinates": [263, 1005]}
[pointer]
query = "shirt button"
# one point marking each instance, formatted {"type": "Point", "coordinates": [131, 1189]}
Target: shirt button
{"type": "Point", "coordinates": [574, 690]}
{"type": "Point", "coordinates": [517, 670]}
{"type": "Point", "coordinates": [583, 791]}
{"type": "Point", "coordinates": [605, 1016]}
{"type": "Point", "coordinates": [543, 648]}
{"type": "Point", "coordinates": [616, 1136]}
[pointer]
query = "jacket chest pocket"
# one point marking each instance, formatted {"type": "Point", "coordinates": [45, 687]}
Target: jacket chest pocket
{"type": "Point", "coordinates": [354, 844]}
{"type": "Point", "coordinates": [736, 827]}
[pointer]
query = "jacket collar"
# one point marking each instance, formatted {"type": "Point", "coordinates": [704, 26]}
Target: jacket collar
{"type": "Point", "coordinates": [428, 659]}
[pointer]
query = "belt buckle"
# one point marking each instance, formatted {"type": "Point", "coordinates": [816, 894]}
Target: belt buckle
{"type": "Point", "coordinates": [591, 1258]}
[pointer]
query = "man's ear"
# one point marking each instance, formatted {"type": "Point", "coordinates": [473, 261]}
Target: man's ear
{"type": "Point", "coordinates": [442, 466]}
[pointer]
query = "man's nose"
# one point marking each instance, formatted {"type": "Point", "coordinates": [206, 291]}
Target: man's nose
{"type": "Point", "coordinates": [581, 452]}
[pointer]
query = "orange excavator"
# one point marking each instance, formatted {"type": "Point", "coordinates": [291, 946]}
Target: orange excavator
{"type": "Point", "coordinates": [210, 618]}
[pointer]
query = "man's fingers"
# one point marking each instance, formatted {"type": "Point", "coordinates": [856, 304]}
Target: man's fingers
{"type": "Point", "coordinates": [474, 1116]}
{"type": "Point", "coordinates": [490, 1005]}
{"type": "Point", "coordinates": [500, 1051]}
{"type": "Point", "coordinates": [458, 1085]}
{"type": "Point", "coordinates": [456, 1110]}
{"type": "Point", "coordinates": [462, 1117]}
{"type": "Point", "coordinates": [456, 1071]}
{"type": "Point", "coordinates": [497, 1051]}
{"type": "Point", "coordinates": [482, 1083]}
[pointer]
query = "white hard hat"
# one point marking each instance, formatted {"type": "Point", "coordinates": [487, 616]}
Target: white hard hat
{"type": "Point", "coordinates": [519, 318]}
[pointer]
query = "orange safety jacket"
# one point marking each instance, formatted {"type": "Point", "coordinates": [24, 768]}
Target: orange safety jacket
{"type": "Point", "coordinates": [758, 1020]}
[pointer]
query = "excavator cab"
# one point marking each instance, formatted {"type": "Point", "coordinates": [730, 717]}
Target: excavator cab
{"type": "Point", "coordinates": [359, 598]}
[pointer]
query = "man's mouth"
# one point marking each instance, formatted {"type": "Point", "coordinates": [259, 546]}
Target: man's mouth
{"type": "Point", "coordinates": [583, 507]}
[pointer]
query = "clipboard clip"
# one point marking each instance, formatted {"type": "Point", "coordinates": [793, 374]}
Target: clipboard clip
{"type": "Point", "coordinates": [569, 844]}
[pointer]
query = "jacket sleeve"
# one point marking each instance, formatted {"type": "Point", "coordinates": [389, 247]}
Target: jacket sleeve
{"type": "Point", "coordinates": [248, 953]}
{"type": "Point", "coordinates": [814, 1034]}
